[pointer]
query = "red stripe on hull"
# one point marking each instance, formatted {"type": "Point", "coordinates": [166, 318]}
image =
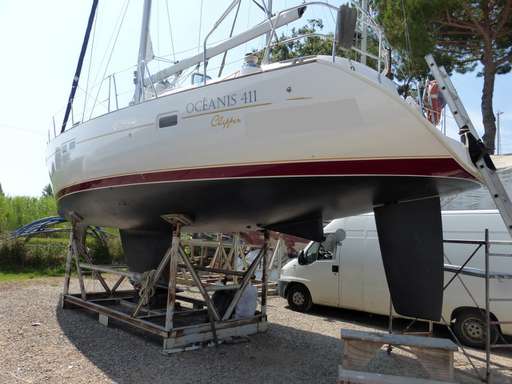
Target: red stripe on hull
{"type": "Point", "coordinates": [381, 167]}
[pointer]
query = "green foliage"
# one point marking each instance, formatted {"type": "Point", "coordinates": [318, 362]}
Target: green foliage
{"type": "Point", "coordinates": [318, 43]}
{"type": "Point", "coordinates": [110, 252]}
{"type": "Point", "coordinates": [460, 33]}
{"type": "Point", "coordinates": [48, 255]}
{"type": "Point", "coordinates": [308, 46]}
{"type": "Point", "coordinates": [43, 255]}
{"type": "Point", "coordinates": [29, 274]}
{"type": "Point", "coordinates": [456, 31]}
{"type": "Point", "coordinates": [314, 45]}
{"type": "Point", "coordinates": [21, 210]}
{"type": "Point", "coordinates": [47, 191]}
{"type": "Point", "coordinates": [17, 255]}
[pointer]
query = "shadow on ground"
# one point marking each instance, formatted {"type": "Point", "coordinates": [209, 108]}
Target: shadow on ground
{"type": "Point", "coordinates": [282, 354]}
{"type": "Point", "coordinates": [380, 322]}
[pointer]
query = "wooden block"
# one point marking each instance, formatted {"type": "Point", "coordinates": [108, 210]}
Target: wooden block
{"type": "Point", "coordinates": [395, 339]}
{"type": "Point", "coordinates": [438, 363]}
{"type": "Point", "coordinates": [434, 354]}
{"type": "Point", "coordinates": [357, 354]}
{"type": "Point", "coordinates": [346, 376]}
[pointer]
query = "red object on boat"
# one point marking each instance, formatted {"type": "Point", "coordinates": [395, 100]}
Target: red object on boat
{"type": "Point", "coordinates": [434, 102]}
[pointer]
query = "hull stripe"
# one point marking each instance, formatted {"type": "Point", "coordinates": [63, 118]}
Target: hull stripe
{"type": "Point", "coordinates": [441, 167]}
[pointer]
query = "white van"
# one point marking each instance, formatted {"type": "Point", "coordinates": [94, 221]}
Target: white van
{"type": "Point", "coordinates": [350, 273]}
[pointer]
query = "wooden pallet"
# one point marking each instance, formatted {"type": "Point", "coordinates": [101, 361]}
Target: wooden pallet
{"type": "Point", "coordinates": [359, 348]}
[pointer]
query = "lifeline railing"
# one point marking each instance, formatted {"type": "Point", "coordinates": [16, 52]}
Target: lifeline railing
{"type": "Point", "coordinates": [366, 22]}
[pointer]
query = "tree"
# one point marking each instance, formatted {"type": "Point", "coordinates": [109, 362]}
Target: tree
{"type": "Point", "coordinates": [311, 45]}
{"type": "Point", "coordinates": [47, 191]}
{"type": "Point", "coordinates": [460, 33]}
{"type": "Point", "coordinates": [1, 190]}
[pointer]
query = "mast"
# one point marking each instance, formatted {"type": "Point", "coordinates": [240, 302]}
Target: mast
{"type": "Point", "coordinates": [143, 45]}
{"type": "Point", "coordinates": [269, 15]}
{"type": "Point", "coordinates": [78, 70]}
{"type": "Point", "coordinates": [268, 40]}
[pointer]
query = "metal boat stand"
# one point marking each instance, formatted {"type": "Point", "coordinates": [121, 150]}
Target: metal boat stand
{"type": "Point", "coordinates": [225, 256]}
{"type": "Point", "coordinates": [183, 322]}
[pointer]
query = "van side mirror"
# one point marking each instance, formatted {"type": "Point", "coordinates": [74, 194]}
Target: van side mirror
{"type": "Point", "coordinates": [346, 26]}
{"type": "Point", "coordinates": [340, 235]}
{"type": "Point", "coordinates": [301, 259]}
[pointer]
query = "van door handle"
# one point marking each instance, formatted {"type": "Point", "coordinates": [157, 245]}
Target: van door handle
{"type": "Point", "coordinates": [335, 268]}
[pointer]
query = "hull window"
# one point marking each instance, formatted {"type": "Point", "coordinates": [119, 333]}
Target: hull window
{"type": "Point", "coordinates": [168, 121]}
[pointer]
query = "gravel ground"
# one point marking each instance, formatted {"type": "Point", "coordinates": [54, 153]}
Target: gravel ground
{"type": "Point", "coordinates": [40, 343]}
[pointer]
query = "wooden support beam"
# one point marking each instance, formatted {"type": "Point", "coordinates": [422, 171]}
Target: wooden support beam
{"type": "Point", "coordinates": [118, 315]}
{"type": "Point", "coordinates": [79, 231]}
{"type": "Point", "coordinates": [216, 270]}
{"type": "Point", "coordinates": [173, 269]}
{"type": "Point", "coordinates": [78, 270]}
{"type": "Point", "coordinates": [264, 276]}
{"type": "Point", "coordinates": [117, 284]}
{"type": "Point", "coordinates": [67, 273]}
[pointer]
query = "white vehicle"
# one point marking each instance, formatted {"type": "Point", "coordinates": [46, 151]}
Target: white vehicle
{"type": "Point", "coordinates": [346, 271]}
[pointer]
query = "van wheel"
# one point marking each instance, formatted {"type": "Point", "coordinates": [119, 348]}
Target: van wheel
{"type": "Point", "coordinates": [470, 328]}
{"type": "Point", "coordinates": [299, 298]}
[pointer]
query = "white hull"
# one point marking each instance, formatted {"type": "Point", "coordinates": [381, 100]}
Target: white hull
{"type": "Point", "coordinates": [313, 112]}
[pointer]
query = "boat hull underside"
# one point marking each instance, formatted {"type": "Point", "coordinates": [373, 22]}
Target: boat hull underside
{"type": "Point", "coordinates": [231, 205]}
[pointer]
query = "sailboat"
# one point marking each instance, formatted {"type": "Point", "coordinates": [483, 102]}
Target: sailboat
{"type": "Point", "coordinates": [281, 146]}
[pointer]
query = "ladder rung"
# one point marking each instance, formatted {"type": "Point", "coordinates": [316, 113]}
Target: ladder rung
{"type": "Point", "coordinates": [500, 322]}
{"type": "Point", "coordinates": [501, 345]}
{"type": "Point", "coordinates": [500, 299]}
{"type": "Point", "coordinates": [500, 242]}
{"type": "Point", "coordinates": [501, 254]}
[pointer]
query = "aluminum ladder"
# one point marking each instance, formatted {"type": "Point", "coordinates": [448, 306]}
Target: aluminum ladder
{"type": "Point", "coordinates": [475, 146]}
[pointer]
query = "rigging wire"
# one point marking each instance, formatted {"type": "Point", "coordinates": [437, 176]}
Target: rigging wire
{"type": "Point", "coordinates": [259, 6]}
{"type": "Point", "coordinates": [407, 37]}
{"type": "Point", "coordinates": [332, 14]}
{"type": "Point", "coordinates": [89, 66]}
{"type": "Point", "coordinates": [170, 30]}
{"type": "Point", "coordinates": [200, 27]}
{"type": "Point", "coordinates": [110, 56]}
{"type": "Point", "coordinates": [248, 20]}
{"type": "Point", "coordinates": [96, 79]}
{"type": "Point", "coordinates": [157, 36]}
{"type": "Point", "coordinates": [230, 35]}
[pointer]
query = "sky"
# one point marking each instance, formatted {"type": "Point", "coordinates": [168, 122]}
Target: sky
{"type": "Point", "coordinates": [41, 40]}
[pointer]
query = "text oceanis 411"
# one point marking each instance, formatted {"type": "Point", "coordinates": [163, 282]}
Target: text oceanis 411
{"type": "Point", "coordinates": [226, 101]}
